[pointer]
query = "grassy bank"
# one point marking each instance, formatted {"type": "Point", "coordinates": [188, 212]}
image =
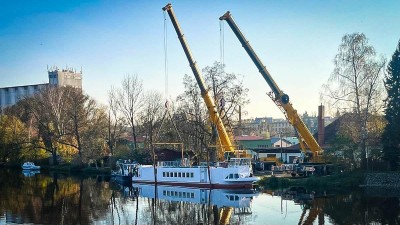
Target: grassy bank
{"type": "Point", "coordinates": [84, 170]}
{"type": "Point", "coordinates": [333, 182]}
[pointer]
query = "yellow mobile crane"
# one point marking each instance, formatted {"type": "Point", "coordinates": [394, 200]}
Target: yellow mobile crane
{"type": "Point", "coordinates": [226, 144]}
{"type": "Point", "coordinates": [212, 108]}
{"type": "Point", "coordinates": [282, 101]}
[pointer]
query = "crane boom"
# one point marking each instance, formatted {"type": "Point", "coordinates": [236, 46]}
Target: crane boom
{"type": "Point", "coordinates": [209, 101]}
{"type": "Point", "coordinates": [279, 97]}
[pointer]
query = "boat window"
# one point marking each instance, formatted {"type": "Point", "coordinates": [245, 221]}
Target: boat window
{"type": "Point", "coordinates": [179, 174]}
{"type": "Point", "coordinates": [191, 175]}
{"type": "Point", "coordinates": [164, 192]}
{"type": "Point", "coordinates": [171, 174]}
{"type": "Point", "coordinates": [175, 174]}
{"type": "Point", "coordinates": [184, 194]}
{"type": "Point", "coordinates": [183, 174]}
{"type": "Point", "coordinates": [192, 195]}
{"type": "Point", "coordinates": [163, 174]}
{"type": "Point", "coordinates": [168, 193]}
{"type": "Point", "coordinates": [187, 174]}
{"type": "Point", "coordinates": [231, 176]}
{"type": "Point", "coordinates": [236, 176]}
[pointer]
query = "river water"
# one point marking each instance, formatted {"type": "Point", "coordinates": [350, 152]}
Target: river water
{"type": "Point", "coordinates": [27, 198]}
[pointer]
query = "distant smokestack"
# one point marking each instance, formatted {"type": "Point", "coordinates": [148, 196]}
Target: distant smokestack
{"type": "Point", "coordinates": [321, 125]}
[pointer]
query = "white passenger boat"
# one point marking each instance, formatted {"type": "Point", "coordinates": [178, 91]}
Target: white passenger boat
{"type": "Point", "coordinates": [30, 166]}
{"type": "Point", "coordinates": [236, 173]}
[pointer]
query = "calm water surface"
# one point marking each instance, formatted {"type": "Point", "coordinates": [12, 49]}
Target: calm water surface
{"type": "Point", "coordinates": [61, 199]}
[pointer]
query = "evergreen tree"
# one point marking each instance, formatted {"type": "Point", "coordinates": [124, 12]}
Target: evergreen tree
{"type": "Point", "coordinates": [391, 135]}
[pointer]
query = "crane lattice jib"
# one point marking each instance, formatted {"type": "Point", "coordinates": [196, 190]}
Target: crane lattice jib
{"type": "Point", "coordinates": [212, 108]}
{"type": "Point", "coordinates": [280, 98]}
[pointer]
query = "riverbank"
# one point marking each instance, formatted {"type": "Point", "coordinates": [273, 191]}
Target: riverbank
{"type": "Point", "coordinates": [332, 182]}
{"type": "Point", "coordinates": [66, 168]}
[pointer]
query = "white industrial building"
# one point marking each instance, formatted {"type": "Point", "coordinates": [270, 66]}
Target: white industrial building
{"type": "Point", "coordinates": [58, 77]}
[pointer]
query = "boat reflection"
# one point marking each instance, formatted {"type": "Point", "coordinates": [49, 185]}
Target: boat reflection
{"type": "Point", "coordinates": [218, 197]}
{"type": "Point", "coordinates": [30, 173]}
{"type": "Point", "coordinates": [218, 205]}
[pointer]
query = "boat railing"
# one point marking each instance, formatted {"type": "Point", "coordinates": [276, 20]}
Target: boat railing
{"type": "Point", "coordinates": [234, 162]}
{"type": "Point", "coordinates": [184, 163]}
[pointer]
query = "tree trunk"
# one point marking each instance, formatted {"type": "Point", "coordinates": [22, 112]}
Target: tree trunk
{"type": "Point", "coordinates": [134, 134]}
{"type": "Point", "coordinates": [54, 155]}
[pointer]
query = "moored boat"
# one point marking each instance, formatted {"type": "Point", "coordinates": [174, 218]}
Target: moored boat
{"type": "Point", "coordinates": [124, 171]}
{"type": "Point", "coordinates": [236, 173]}
{"type": "Point", "coordinates": [30, 166]}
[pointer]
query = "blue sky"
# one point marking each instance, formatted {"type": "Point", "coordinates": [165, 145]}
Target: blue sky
{"type": "Point", "coordinates": [296, 40]}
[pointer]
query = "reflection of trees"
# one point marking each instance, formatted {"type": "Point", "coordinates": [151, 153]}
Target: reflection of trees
{"type": "Point", "coordinates": [352, 209]}
{"type": "Point", "coordinates": [51, 200]}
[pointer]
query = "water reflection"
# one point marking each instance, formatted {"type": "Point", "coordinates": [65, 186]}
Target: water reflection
{"type": "Point", "coordinates": [60, 199]}
{"type": "Point", "coordinates": [30, 173]}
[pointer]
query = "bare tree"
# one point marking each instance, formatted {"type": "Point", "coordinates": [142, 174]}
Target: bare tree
{"type": "Point", "coordinates": [48, 109]}
{"type": "Point", "coordinates": [355, 86]}
{"type": "Point", "coordinates": [86, 128]}
{"type": "Point", "coordinates": [194, 120]}
{"type": "Point", "coordinates": [228, 93]}
{"type": "Point", "coordinates": [149, 116]}
{"type": "Point", "coordinates": [130, 101]}
{"type": "Point", "coordinates": [227, 89]}
{"type": "Point", "coordinates": [115, 122]}
{"type": "Point", "coordinates": [151, 113]}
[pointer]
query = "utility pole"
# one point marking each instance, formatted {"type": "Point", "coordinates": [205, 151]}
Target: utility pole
{"type": "Point", "coordinates": [280, 134]}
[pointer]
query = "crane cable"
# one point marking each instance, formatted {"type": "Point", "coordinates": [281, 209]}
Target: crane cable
{"type": "Point", "coordinates": [166, 56]}
{"type": "Point", "coordinates": [166, 83]}
{"type": "Point", "coordinates": [221, 42]}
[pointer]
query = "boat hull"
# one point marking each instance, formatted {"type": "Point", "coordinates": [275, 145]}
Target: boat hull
{"type": "Point", "coordinates": [124, 180]}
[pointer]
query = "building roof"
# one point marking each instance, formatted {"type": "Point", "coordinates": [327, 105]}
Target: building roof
{"type": "Point", "coordinates": [283, 140]}
{"type": "Point", "coordinates": [138, 139]}
{"type": "Point", "coordinates": [249, 138]}
{"type": "Point", "coordinates": [21, 86]}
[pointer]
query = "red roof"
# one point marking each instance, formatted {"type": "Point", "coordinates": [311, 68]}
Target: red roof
{"type": "Point", "coordinates": [138, 139]}
{"type": "Point", "coordinates": [249, 138]}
